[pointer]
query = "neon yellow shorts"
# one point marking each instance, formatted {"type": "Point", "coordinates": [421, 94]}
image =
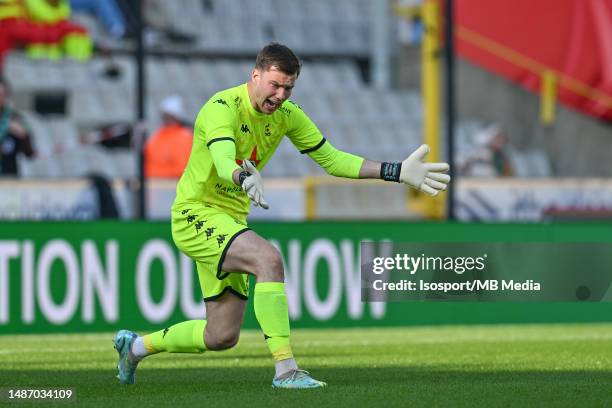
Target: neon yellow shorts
{"type": "Point", "coordinates": [205, 234]}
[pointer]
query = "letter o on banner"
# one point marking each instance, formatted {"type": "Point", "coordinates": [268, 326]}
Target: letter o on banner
{"type": "Point", "coordinates": [325, 308]}
{"type": "Point", "coordinates": [156, 312]}
{"type": "Point", "coordinates": [60, 250]}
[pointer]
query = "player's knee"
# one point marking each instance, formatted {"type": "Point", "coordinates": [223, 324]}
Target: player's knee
{"type": "Point", "coordinates": [270, 265]}
{"type": "Point", "coordinates": [221, 337]}
{"type": "Point", "coordinates": [275, 262]}
{"type": "Point", "coordinates": [225, 341]}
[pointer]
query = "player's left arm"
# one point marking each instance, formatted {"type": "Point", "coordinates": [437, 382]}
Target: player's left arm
{"type": "Point", "coordinates": [430, 178]}
{"type": "Point", "coordinates": [413, 171]}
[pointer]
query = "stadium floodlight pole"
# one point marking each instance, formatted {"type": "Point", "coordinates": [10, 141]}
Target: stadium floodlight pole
{"type": "Point", "coordinates": [139, 129]}
{"type": "Point", "coordinates": [449, 53]}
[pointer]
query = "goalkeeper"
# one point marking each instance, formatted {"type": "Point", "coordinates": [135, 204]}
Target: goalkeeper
{"type": "Point", "coordinates": [236, 132]}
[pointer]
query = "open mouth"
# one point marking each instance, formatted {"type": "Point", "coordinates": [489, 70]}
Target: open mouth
{"type": "Point", "coordinates": [270, 104]}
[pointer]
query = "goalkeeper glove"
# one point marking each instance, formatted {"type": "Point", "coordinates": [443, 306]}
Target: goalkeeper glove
{"type": "Point", "coordinates": [252, 183]}
{"type": "Point", "coordinates": [426, 177]}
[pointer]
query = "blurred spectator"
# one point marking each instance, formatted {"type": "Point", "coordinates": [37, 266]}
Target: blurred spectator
{"type": "Point", "coordinates": [118, 135]}
{"type": "Point", "coordinates": [75, 44]}
{"type": "Point", "coordinates": [17, 30]}
{"type": "Point", "coordinates": [409, 24]}
{"type": "Point", "coordinates": [14, 137]}
{"type": "Point", "coordinates": [490, 157]}
{"type": "Point", "coordinates": [106, 11]}
{"type": "Point", "coordinates": [106, 199]}
{"type": "Point", "coordinates": [167, 150]}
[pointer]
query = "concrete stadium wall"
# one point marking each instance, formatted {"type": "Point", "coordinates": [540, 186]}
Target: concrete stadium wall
{"type": "Point", "coordinates": [578, 145]}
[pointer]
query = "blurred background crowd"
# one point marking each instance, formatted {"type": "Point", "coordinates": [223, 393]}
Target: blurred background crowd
{"type": "Point", "coordinates": [531, 132]}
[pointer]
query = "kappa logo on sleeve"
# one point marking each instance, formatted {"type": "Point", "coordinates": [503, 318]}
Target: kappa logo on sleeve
{"type": "Point", "coordinates": [295, 104]}
{"type": "Point", "coordinates": [222, 102]}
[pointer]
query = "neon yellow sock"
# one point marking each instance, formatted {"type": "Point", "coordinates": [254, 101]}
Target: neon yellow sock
{"type": "Point", "coordinates": [184, 337]}
{"type": "Point", "coordinates": [272, 313]}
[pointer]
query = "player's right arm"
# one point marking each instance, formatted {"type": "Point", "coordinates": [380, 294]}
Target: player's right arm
{"type": "Point", "coordinates": [216, 125]}
{"type": "Point", "coordinates": [218, 129]}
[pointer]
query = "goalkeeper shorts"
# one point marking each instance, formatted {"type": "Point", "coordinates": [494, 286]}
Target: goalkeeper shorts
{"type": "Point", "coordinates": [205, 234]}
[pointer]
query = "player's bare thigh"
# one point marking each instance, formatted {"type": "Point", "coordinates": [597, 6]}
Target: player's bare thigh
{"type": "Point", "coordinates": [252, 254]}
{"type": "Point", "coordinates": [224, 317]}
{"type": "Point", "coordinates": [248, 253]}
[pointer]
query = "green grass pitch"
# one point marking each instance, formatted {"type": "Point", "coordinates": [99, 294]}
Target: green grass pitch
{"type": "Point", "coordinates": [450, 366]}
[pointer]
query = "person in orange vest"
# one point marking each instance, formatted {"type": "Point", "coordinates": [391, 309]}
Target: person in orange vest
{"type": "Point", "coordinates": [167, 150]}
{"type": "Point", "coordinates": [16, 29]}
{"type": "Point", "coordinates": [75, 42]}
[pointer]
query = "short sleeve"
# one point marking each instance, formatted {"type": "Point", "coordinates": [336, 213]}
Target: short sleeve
{"type": "Point", "coordinates": [216, 121]}
{"type": "Point", "coordinates": [302, 131]}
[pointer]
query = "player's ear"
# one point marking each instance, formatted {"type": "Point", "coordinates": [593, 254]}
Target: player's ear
{"type": "Point", "coordinates": [255, 75]}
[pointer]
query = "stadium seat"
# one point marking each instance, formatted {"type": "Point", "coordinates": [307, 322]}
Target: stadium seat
{"type": "Point", "coordinates": [63, 133]}
{"type": "Point", "coordinates": [126, 163]}
{"type": "Point", "coordinates": [42, 167]}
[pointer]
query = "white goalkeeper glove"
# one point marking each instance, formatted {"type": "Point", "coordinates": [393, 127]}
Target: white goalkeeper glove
{"type": "Point", "coordinates": [253, 185]}
{"type": "Point", "coordinates": [426, 177]}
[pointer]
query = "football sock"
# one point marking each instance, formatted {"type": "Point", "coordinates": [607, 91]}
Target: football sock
{"type": "Point", "coordinates": [272, 313]}
{"type": "Point", "coordinates": [139, 351]}
{"type": "Point", "coordinates": [284, 366]}
{"type": "Point", "coordinates": [184, 337]}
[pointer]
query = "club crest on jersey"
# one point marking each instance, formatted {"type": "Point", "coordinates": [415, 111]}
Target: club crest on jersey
{"type": "Point", "coordinates": [252, 158]}
{"type": "Point", "coordinates": [267, 130]}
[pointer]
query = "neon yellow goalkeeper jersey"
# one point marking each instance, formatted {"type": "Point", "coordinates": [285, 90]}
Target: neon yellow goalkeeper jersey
{"type": "Point", "coordinates": [229, 114]}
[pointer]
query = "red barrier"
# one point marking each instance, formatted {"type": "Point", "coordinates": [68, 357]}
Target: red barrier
{"type": "Point", "coordinates": [520, 39]}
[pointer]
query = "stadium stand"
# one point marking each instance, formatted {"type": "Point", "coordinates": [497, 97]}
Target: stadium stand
{"type": "Point", "coordinates": [353, 116]}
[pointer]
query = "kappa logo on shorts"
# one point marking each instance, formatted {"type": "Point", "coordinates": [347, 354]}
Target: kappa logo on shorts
{"type": "Point", "coordinates": [191, 218]}
{"type": "Point", "coordinates": [221, 239]}
{"type": "Point", "coordinates": [209, 232]}
{"type": "Point", "coordinates": [165, 331]}
{"type": "Point", "coordinates": [199, 225]}
{"type": "Point", "coordinates": [185, 211]}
